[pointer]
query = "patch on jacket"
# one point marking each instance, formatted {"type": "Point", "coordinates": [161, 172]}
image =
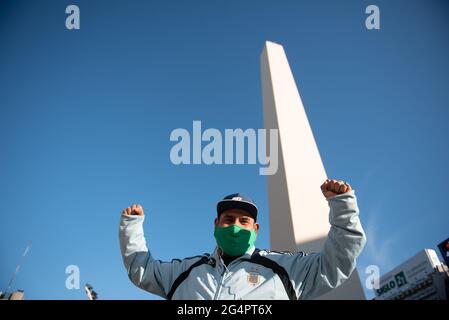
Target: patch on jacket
{"type": "Point", "coordinates": [253, 278]}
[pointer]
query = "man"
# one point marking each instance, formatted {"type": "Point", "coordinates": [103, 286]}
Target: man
{"type": "Point", "coordinates": [236, 269]}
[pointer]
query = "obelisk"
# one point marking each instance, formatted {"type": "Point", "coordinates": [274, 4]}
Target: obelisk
{"type": "Point", "coordinates": [298, 210]}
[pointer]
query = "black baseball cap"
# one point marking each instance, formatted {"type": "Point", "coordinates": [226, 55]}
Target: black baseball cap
{"type": "Point", "coordinates": [237, 201]}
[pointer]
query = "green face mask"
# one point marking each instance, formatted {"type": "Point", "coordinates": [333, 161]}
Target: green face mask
{"type": "Point", "coordinates": [234, 240]}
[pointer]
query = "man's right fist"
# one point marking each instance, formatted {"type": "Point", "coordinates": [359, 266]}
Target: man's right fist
{"type": "Point", "coordinates": [134, 210]}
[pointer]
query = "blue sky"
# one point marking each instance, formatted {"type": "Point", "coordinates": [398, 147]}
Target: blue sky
{"type": "Point", "coordinates": [86, 115]}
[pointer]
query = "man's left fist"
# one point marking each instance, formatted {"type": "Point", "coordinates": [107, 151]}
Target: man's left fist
{"type": "Point", "coordinates": [331, 188]}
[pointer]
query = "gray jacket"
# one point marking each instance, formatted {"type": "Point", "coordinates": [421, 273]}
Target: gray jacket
{"type": "Point", "coordinates": [259, 274]}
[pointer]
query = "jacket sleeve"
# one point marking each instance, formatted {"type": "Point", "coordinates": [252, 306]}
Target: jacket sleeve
{"type": "Point", "coordinates": [144, 271]}
{"type": "Point", "coordinates": [318, 273]}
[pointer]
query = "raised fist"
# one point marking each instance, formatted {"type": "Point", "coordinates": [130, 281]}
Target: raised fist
{"type": "Point", "coordinates": [134, 210]}
{"type": "Point", "coordinates": [331, 188]}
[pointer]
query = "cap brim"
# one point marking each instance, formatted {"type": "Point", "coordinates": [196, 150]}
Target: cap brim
{"type": "Point", "coordinates": [227, 204]}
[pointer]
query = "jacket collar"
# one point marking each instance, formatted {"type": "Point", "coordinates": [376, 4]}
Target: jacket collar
{"type": "Point", "coordinates": [218, 252]}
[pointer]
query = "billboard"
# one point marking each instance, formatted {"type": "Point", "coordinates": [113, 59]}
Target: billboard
{"type": "Point", "coordinates": [410, 279]}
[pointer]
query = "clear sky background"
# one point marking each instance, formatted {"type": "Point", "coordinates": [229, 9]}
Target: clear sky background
{"type": "Point", "coordinates": [86, 115]}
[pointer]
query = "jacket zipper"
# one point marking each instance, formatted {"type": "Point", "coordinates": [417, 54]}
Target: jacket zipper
{"type": "Point", "coordinates": [217, 295]}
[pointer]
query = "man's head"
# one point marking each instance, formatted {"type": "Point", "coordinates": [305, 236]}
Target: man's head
{"type": "Point", "coordinates": [237, 209]}
{"type": "Point", "coordinates": [237, 217]}
{"type": "Point", "coordinates": [235, 226]}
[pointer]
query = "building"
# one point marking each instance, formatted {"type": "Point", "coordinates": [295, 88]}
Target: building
{"type": "Point", "coordinates": [422, 277]}
{"type": "Point", "coordinates": [444, 249]}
